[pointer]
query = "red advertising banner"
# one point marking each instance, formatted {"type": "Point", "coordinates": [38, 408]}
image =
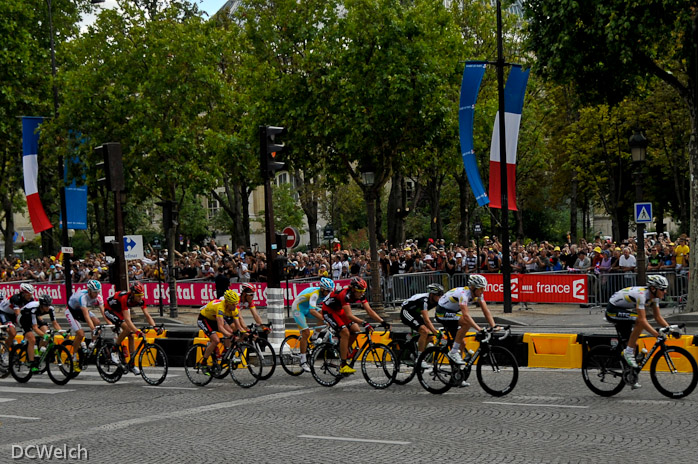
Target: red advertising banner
{"type": "Point", "coordinates": [540, 288]}
{"type": "Point", "coordinates": [188, 293]}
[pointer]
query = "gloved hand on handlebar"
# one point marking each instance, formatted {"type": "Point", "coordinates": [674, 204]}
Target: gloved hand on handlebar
{"type": "Point", "coordinates": [385, 324]}
{"type": "Point", "coordinates": [368, 327]}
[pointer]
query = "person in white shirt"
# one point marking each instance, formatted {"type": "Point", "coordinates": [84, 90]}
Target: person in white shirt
{"type": "Point", "coordinates": [336, 267]}
{"type": "Point", "coordinates": [627, 262]}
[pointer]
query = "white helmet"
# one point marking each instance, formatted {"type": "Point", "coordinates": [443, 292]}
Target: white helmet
{"type": "Point", "coordinates": [477, 281]}
{"type": "Point", "coordinates": [29, 288]}
{"type": "Point", "coordinates": [657, 281]}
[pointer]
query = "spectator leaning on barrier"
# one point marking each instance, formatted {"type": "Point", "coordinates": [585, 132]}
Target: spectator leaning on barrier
{"type": "Point", "coordinates": [627, 262]}
{"type": "Point", "coordinates": [669, 259]}
{"type": "Point", "coordinates": [583, 262]}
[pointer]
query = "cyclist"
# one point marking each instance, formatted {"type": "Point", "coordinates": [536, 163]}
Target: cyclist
{"type": "Point", "coordinates": [452, 312]}
{"type": "Point", "coordinates": [119, 314]}
{"type": "Point", "coordinates": [304, 306]}
{"type": "Point", "coordinates": [336, 311]}
{"type": "Point", "coordinates": [415, 313]}
{"type": "Point", "coordinates": [78, 310]}
{"type": "Point", "coordinates": [32, 324]}
{"type": "Point", "coordinates": [247, 292]}
{"type": "Point", "coordinates": [626, 309]}
{"type": "Point", "coordinates": [10, 312]}
{"type": "Point", "coordinates": [212, 319]}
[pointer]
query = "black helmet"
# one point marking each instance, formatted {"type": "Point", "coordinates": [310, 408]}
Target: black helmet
{"type": "Point", "coordinates": [45, 300]}
{"type": "Point", "coordinates": [435, 289]}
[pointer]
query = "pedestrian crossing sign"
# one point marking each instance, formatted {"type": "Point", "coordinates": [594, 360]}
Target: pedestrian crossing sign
{"type": "Point", "coordinates": [643, 213]}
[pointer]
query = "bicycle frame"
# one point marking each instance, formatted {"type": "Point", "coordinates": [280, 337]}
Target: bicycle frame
{"type": "Point", "coordinates": [368, 343]}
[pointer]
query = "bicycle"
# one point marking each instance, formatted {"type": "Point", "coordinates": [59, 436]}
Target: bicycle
{"type": "Point", "coordinates": [4, 352]}
{"type": "Point", "coordinates": [89, 355]}
{"type": "Point", "coordinates": [378, 364]}
{"type": "Point", "coordinates": [152, 360]}
{"type": "Point", "coordinates": [241, 360]}
{"type": "Point", "coordinates": [290, 351]}
{"type": "Point", "coordinates": [406, 357]}
{"type": "Point", "coordinates": [53, 359]}
{"type": "Point", "coordinates": [496, 367]}
{"type": "Point", "coordinates": [257, 337]}
{"type": "Point", "coordinates": [672, 368]}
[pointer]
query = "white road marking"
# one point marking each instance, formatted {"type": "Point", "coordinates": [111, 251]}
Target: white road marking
{"type": "Point", "coordinates": [170, 388]}
{"type": "Point", "coordinates": [35, 391]}
{"type": "Point", "coordinates": [5, 400]}
{"type": "Point", "coordinates": [136, 421]}
{"type": "Point", "coordinates": [362, 440]}
{"type": "Point", "coordinates": [536, 405]}
{"type": "Point", "coordinates": [7, 416]}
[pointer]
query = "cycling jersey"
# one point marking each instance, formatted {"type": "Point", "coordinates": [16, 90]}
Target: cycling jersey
{"type": "Point", "coordinates": [304, 302]}
{"type": "Point", "coordinates": [31, 315]}
{"type": "Point", "coordinates": [83, 299]}
{"type": "Point", "coordinates": [7, 313]}
{"type": "Point", "coordinates": [449, 303]}
{"type": "Point", "coordinates": [16, 302]}
{"type": "Point", "coordinates": [123, 301]}
{"type": "Point", "coordinates": [333, 307]}
{"type": "Point", "coordinates": [411, 312]}
{"type": "Point", "coordinates": [5, 306]}
{"type": "Point", "coordinates": [633, 297]}
{"type": "Point", "coordinates": [245, 305]}
{"type": "Point", "coordinates": [217, 308]}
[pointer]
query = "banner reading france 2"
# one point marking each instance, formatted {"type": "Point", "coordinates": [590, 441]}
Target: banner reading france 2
{"type": "Point", "coordinates": [188, 293]}
{"type": "Point", "coordinates": [540, 288]}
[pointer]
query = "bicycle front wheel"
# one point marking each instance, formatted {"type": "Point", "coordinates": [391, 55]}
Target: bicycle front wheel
{"type": "Point", "coordinates": [378, 366]}
{"type": "Point", "coordinates": [673, 372]}
{"type": "Point", "coordinates": [435, 371]}
{"type": "Point", "coordinates": [406, 359]}
{"type": "Point", "coordinates": [325, 363]}
{"type": "Point", "coordinates": [267, 358]}
{"type": "Point", "coordinates": [109, 370]}
{"type": "Point", "coordinates": [245, 365]}
{"type": "Point", "coordinates": [18, 364]}
{"type": "Point", "coordinates": [197, 369]}
{"type": "Point", "coordinates": [290, 355]}
{"type": "Point", "coordinates": [153, 364]}
{"type": "Point", "coordinates": [602, 371]}
{"type": "Point", "coordinates": [4, 360]}
{"type": "Point", "coordinates": [59, 364]}
{"type": "Point", "coordinates": [497, 370]}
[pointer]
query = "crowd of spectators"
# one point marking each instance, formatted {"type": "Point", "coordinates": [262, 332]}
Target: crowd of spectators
{"type": "Point", "coordinates": [212, 261]}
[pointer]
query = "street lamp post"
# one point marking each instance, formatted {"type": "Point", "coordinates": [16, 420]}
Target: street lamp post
{"type": "Point", "coordinates": [368, 179]}
{"type": "Point", "coordinates": [638, 149]}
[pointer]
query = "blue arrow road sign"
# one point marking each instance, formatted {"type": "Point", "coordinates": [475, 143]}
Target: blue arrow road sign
{"type": "Point", "coordinates": [643, 212]}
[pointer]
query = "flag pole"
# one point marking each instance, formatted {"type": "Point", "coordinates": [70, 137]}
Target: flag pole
{"type": "Point", "coordinates": [506, 253]}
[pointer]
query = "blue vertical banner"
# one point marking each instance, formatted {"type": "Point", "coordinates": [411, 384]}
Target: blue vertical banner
{"type": "Point", "coordinates": [470, 87]}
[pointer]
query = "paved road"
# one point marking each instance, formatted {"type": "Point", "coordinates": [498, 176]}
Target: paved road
{"type": "Point", "coordinates": [549, 417]}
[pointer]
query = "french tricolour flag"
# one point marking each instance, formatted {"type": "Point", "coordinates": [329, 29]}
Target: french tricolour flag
{"type": "Point", "coordinates": [30, 148]}
{"type": "Point", "coordinates": [513, 106]}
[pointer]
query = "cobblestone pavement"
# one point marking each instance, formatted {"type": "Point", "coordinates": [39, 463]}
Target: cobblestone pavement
{"type": "Point", "coordinates": [549, 417]}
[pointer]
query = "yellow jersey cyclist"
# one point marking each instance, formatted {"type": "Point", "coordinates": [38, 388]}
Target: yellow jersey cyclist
{"type": "Point", "coordinates": [212, 319]}
{"type": "Point", "coordinates": [304, 306]}
{"type": "Point", "coordinates": [452, 312]}
{"type": "Point", "coordinates": [626, 309]}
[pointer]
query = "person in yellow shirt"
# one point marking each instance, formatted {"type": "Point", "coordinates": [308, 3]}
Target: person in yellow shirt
{"type": "Point", "coordinates": [681, 252]}
{"type": "Point", "coordinates": [212, 319]}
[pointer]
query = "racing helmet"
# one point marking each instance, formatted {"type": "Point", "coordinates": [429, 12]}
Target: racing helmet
{"type": "Point", "coordinates": [94, 286]}
{"type": "Point", "coordinates": [657, 281]}
{"type": "Point", "coordinates": [477, 281]}
{"type": "Point", "coordinates": [327, 284]}
{"type": "Point", "coordinates": [231, 296]}
{"type": "Point", "coordinates": [137, 288]}
{"type": "Point", "coordinates": [29, 288]}
{"type": "Point", "coordinates": [248, 289]}
{"type": "Point", "coordinates": [45, 300]}
{"type": "Point", "coordinates": [435, 289]}
{"type": "Point", "coordinates": [358, 284]}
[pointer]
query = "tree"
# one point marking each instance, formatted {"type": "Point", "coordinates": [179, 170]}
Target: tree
{"type": "Point", "coordinates": [589, 43]}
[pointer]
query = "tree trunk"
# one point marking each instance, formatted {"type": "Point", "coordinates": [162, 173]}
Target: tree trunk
{"type": "Point", "coordinates": [9, 224]}
{"type": "Point", "coordinates": [573, 208]}
{"type": "Point", "coordinates": [396, 209]}
{"type": "Point", "coordinates": [463, 209]}
{"type": "Point", "coordinates": [693, 179]}
{"type": "Point", "coordinates": [246, 191]}
{"type": "Point", "coordinates": [309, 203]}
{"type": "Point", "coordinates": [379, 217]}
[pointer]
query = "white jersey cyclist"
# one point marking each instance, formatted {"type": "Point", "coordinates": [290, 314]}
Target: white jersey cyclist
{"type": "Point", "coordinates": [31, 313]}
{"type": "Point", "coordinates": [77, 301]}
{"type": "Point", "coordinates": [449, 304]}
{"type": "Point", "coordinates": [632, 298]}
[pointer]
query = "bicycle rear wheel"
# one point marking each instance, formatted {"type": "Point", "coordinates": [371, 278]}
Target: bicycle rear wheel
{"type": "Point", "coordinates": [197, 370]}
{"type": "Point", "coordinates": [68, 345]}
{"type": "Point", "coordinates": [438, 377]}
{"type": "Point", "coordinates": [673, 372]}
{"type": "Point", "coordinates": [497, 370]}
{"type": "Point", "coordinates": [18, 364]}
{"type": "Point", "coordinates": [406, 355]}
{"type": "Point", "coordinates": [59, 364]}
{"type": "Point", "coordinates": [267, 358]}
{"type": "Point", "coordinates": [290, 355]}
{"type": "Point", "coordinates": [379, 366]}
{"type": "Point", "coordinates": [245, 365]}
{"type": "Point", "coordinates": [325, 363]}
{"type": "Point", "coordinates": [153, 364]}
{"type": "Point", "coordinates": [109, 370]}
{"type": "Point", "coordinates": [602, 371]}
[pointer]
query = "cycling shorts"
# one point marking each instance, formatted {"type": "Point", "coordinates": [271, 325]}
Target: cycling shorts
{"type": "Point", "coordinates": [301, 317]}
{"type": "Point", "coordinates": [451, 325]}
{"type": "Point", "coordinates": [335, 320]}
{"type": "Point", "coordinates": [8, 318]}
{"type": "Point", "coordinates": [410, 319]}
{"type": "Point", "coordinates": [618, 314]}
{"type": "Point", "coordinates": [207, 325]}
{"type": "Point", "coordinates": [75, 318]}
{"type": "Point", "coordinates": [25, 322]}
{"type": "Point", "coordinates": [444, 314]}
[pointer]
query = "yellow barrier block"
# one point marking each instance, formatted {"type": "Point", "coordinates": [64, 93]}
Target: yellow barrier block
{"type": "Point", "coordinates": [553, 350]}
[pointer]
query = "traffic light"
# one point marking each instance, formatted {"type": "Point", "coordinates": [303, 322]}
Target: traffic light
{"type": "Point", "coordinates": [270, 148]}
{"type": "Point", "coordinates": [112, 165]}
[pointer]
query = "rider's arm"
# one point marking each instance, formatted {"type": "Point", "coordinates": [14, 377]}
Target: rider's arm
{"type": "Point", "coordinates": [148, 317]}
{"type": "Point", "coordinates": [371, 313]}
{"type": "Point", "coordinates": [427, 322]}
{"type": "Point", "coordinates": [255, 315]}
{"type": "Point", "coordinates": [223, 327]}
{"type": "Point", "coordinates": [658, 317]}
{"type": "Point", "coordinates": [487, 313]}
{"type": "Point", "coordinates": [644, 323]}
{"type": "Point", "coordinates": [56, 325]}
{"type": "Point", "coordinates": [88, 319]}
{"type": "Point", "coordinates": [127, 320]}
{"type": "Point", "coordinates": [350, 315]}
